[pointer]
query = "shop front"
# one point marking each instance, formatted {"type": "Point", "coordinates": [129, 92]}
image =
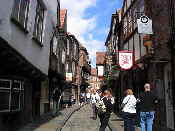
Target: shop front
{"type": "Point", "coordinates": [20, 87]}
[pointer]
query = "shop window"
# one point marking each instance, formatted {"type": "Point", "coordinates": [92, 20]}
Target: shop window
{"type": "Point", "coordinates": [63, 56]}
{"type": "Point", "coordinates": [39, 23]}
{"type": "Point", "coordinates": [55, 43]}
{"type": "Point", "coordinates": [125, 29]}
{"type": "Point", "coordinates": [137, 46]}
{"type": "Point", "coordinates": [126, 46]}
{"type": "Point", "coordinates": [143, 48]}
{"type": "Point", "coordinates": [11, 95]}
{"type": "Point", "coordinates": [73, 68]}
{"type": "Point", "coordinates": [130, 21]}
{"type": "Point", "coordinates": [131, 44]}
{"type": "Point", "coordinates": [75, 50]}
{"type": "Point", "coordinates": [125, 6]}
{"type": "Point", "coordinates": [68, 47]}
{"type": "Point", "coordinates": [129, 3]}
{"type": "Point", "coordinates": [20, 12]}
{"type": "Point", "coordinates": [67, 68]}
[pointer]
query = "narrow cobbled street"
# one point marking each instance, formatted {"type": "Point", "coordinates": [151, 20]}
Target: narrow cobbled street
{"type": "Point", "coordinates": [81, 121]}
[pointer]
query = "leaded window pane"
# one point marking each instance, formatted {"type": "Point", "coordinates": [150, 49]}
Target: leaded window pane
{"type": "Point", "coordinates": [39, 22]}
{"type": "Point", "coordinates": [4, 100]}
{"type": "Point", "coordinates": [15, 101]}
{"type": "Point", "coordinates": [15, 10]}
{"type": "Point", "coordinates": [20, 12]}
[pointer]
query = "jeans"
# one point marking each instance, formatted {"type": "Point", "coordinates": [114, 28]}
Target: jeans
{"type": "Point", "coordinates": [104, 119]}
{"type": "Point", "coordinates": [55, 108]}
{"type": "Point", "coordinates": [146, 120]}
{"type": "Point", "coordinates": [129, 121]}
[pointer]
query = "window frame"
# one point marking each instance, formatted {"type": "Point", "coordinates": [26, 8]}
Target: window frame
{"type": "Point", "coordinates": [17, 13]}
{"type": "Point", "coordinates": [55, 46]}
{"type": "Point", "coordinates": [39, 17]}
{"type": "Point", "coordinates": [11, 91]}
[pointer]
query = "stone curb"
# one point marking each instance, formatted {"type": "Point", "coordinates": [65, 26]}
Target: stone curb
{"type": "Point", "coordinates": [67, 118]}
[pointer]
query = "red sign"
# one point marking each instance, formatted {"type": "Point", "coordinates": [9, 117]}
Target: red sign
{"type": "Point", "coordinates": [126, 59]}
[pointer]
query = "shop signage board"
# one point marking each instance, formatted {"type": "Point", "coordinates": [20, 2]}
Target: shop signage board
{"type": "Point", "coordinates": [100, 70]}
{"type": "Point", "coordinates": [69, 76]}
{"type": "Point", "coordinates": [126, 59]}
{"type": "Point", "coordinates": [144, 25]}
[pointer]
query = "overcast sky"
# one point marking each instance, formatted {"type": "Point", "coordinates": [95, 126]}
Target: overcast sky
{"type": "Point", "coordinates": [89, 21]}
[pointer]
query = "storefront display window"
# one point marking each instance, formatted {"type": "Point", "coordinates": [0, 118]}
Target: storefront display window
{"type": "Point", "coordinates": [11, 95]}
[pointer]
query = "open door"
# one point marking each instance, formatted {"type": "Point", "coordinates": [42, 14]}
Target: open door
{"type": "Point", "coordinates": [169, 97]}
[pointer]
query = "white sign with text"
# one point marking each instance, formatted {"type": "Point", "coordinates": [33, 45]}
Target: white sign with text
{"type": "Point", "coordinates": [144, 25]}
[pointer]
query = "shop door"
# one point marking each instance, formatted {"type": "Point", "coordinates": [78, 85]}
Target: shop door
{"type": "Point", "coordinates": [169, 97]}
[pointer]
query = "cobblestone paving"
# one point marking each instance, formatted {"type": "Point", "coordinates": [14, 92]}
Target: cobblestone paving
{"type": "Point", "coordinates": [81, 121]}
{"type": "Point", "coordinates": [51, 124]}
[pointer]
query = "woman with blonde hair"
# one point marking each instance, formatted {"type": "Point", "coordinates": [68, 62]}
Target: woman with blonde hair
{"type": "Point", "coordinates": [129, 110]}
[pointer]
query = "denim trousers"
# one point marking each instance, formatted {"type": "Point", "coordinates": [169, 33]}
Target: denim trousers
{"type": "Point", "coordinates": [129, 121]}
{"type": "Point", "coordinates": [146, 120]}
{"type": "Point", "coordinates": [104, 119]}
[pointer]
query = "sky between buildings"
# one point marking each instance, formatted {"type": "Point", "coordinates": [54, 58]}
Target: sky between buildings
{"type": "Point", "coordinates": [89, 21]}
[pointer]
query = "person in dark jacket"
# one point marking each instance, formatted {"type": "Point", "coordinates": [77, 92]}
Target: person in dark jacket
{"type": "Point", "coordinates": [108, 102]}
{"type": "Point", "coordinates": [147, 108]}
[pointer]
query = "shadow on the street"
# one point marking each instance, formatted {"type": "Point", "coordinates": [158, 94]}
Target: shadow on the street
{"type": "Point", "coordinates": [38, 122]}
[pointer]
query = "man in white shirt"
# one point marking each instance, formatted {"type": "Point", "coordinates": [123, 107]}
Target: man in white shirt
{"type": "Point", "coordinates": [88, 97]}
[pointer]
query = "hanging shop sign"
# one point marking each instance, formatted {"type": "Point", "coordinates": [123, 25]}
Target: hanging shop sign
{"type": "Point", "coordinates": [100, 71]}
{"type": "Point", "coordinates": [144, 25]}
{"type": "Point", "coordinates": [126, 60]}
{"type": "Point", "coordinates": [69, 76]}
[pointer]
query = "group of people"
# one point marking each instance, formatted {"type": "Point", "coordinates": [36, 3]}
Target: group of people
{"type": "Point", "coordinates": [142, 107]}
{"type": "Point", "coordinates": [131, 108]}
{"type": "Point", "coordinates": [85, 97]}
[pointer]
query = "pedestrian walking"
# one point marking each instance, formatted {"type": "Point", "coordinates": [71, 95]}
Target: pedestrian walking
{"type": "Point", "coordinates": [94, 98]}
{"type": "Point", "coordinates": [82, 98]}
{"type": "Point", "coordinates": [88, 96]}
{"type": "Point", "coordinates": [56, 94]}
{"type": "Point", "coordinates": [105, 115]}
{"type": "Point", "coordinates": [129, 110]}
{"type": "Point", "coordinates": [146, 107]}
